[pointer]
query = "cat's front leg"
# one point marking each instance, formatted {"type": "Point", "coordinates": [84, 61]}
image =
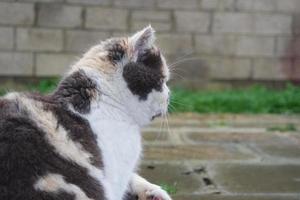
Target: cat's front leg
{"type": "Point", "coordinates": [146, 190]}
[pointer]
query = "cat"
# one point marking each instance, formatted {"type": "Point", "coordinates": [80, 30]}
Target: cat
{"type": "Point", "coordinates": [83, 141]}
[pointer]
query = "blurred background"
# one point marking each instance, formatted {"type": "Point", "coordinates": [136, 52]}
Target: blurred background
{"type": "Point", "coordinates": [233, 132]}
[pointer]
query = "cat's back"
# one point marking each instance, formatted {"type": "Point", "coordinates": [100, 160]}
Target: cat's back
{"type": "Point", "coordinates": [40, 158]}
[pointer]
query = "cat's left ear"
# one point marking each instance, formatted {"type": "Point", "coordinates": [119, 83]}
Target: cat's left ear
{"type": "Point", "coordinates": [142, 40]}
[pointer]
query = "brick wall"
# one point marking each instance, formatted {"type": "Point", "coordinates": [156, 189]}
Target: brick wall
{"type": "Point", "coordinates": [211, 40]}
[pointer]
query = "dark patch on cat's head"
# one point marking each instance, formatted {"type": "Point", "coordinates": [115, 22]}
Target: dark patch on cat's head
{"type": "Point", "coordinates": [145, 74]}
{"type": "Point", "coordinates": [78, 90]}
{"type": "Point", "coordinates": [116, 48]}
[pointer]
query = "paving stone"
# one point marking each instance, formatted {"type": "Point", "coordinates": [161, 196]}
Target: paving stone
{"type": "Point", "coordinates": [106, 18]}
{"type": "Point", "coordinates": [16, 64]}
{"type": "Point", "coordinates": [235, 137]}
{"type": "Point", "coordinates": [194, 152]}
{"type": "Point", "coordinates": [228, 120]}
{"type": "Point", "coordinates": [171, 175]}
{"type": "Point", "coordinates": [291, 151]}
{"type": "Point", "coordinates": [16, 13]}
{"type": "Point", "coordinates": [155, 136]}
{"type": "Point", "coordinates": [80, 41]}
{"type": "Point", "coordinates": [6, 38]}
{"type": "Point", "coordinates": [57, 15]}
{"type": "Point", "coordinates": [252, 178]}
{"type": "Point", "coordinates": [39, 39]}
{"type": "Point", "coordinates": [53, 64]}
{"type": "Point", "coordinates": [187, 21]}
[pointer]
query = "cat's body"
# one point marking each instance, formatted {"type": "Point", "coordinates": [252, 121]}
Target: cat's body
{"type": "Point", "coordinates": [83, 141]}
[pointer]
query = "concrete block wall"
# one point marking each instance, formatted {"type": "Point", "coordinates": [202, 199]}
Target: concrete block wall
{"type": "Point", "coordinates": [208, 40]}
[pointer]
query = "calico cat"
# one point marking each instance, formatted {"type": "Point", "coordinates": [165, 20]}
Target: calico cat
{"type": "Point", "coordinates": [83, 141]}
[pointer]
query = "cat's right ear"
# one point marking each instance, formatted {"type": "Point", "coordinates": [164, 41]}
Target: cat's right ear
{"type": "Point", "coordinates": [142, 40]}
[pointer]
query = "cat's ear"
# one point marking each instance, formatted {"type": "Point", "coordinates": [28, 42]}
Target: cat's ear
{"type": "Point", "coordinates": [142, 40]}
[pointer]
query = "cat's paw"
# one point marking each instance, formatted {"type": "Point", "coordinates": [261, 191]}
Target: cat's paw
{"type": "Point", "coordinates": [156, 193]}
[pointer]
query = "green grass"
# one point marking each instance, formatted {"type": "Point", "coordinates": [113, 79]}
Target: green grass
{"type": "Point", "coordinates": [256, 99]}
{"type": "Point", "coordinates": [171, 189]}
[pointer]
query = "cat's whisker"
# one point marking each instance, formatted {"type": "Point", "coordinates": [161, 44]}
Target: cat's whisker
{"type": "Point", "coordinates": [182, 57]}
{"type": "Point", "coordinates": [183, 60]}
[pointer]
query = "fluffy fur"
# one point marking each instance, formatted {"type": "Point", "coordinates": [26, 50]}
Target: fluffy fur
{"type": "Point", "coordinates": [83, 142]}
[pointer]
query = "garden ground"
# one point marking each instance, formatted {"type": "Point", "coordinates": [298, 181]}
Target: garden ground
{"type": "Point", "coordinates": [225, 156]}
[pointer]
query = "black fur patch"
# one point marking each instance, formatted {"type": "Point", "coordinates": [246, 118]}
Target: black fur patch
{"type": "Point", "coordinates": [115, 50]}
{"type": "Point", "coordinates": [26, 156]}
{"type": "Point", "coordinates": [144, 75]}
{"type": "Point", "coordinates": [78, 90]}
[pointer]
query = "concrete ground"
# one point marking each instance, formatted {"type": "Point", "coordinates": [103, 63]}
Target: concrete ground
{"type": "Point", "coordinates": [225, 157]}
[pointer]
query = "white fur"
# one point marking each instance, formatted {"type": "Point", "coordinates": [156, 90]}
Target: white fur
{"type": "Point", "coordinates": [56, 182]}
{"type": "Point", "coordinates": [116, 118]}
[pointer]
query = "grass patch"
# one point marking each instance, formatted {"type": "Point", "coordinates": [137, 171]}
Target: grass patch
{"type": "Point", "coordinates": [256, 99]}
{"type": "Point", "coordinates": [285, 128]}
{"type": "Point", "coordinates": [171, 189]}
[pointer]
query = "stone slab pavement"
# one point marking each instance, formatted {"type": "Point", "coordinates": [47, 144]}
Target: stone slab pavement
{"type": "Point", "coordinates": [224, 157]}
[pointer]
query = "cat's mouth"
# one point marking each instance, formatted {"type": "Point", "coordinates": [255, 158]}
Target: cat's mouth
{"type": "Point", "coordinates": [156, 115]}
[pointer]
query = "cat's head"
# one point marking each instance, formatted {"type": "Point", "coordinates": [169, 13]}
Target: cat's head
{"type": "Point", "coordinates": [133, 73]}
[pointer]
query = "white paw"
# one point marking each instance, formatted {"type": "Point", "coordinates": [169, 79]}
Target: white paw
{"type": "Point", "coordinates": [156, 193]}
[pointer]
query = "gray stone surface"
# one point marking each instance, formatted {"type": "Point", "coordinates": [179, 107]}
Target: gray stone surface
{"type": "Point", "coordinates": [175, 44]}
{"type": "Point", "coordinates": [255, 46]}
{"type": "Point", "coordinates": [16, 64]}
{"type": "Point", "coordinates": [256, 178]}
{"type": "Point", "coordinates": [158, 26]}
{"type": "Point", "coordinates": [39, 39]}
{"type": "Point", "coordinates": [80, 41]}
{"type": "Point", "coordinates": [178, 4]}
{"type": "Point", "coordinates": [217, 41]}
{"type": "Point", "coordinates": [175, 176]}
{"type": "Point", "coordinates": [53, 64]}
{"type": "Point", "coordinates": [6, 38]}
{"type": "Point", "coordinates": [271, 69]}
{"type": "Point", "coordinates": [187, 21]}
{"type": "Point", "coordinates": [194, 152]}
{"type": "Point", "coordinates": [106, 18]}
{"type": "Point", "coordinates": [90, 2]}
{"type": "Point", "coordinates": [256, 5]}
{"type": "Point", "coordinates": [16, 13]}
{"type": "Point", "coordinates": [135, 3]}
{"type": "Point", "coordinates": [151, 15]}
{"type": "Point", "coordinates": [57, 15]}
{"type": "Point", "coordinates": [220, 5]}
{"type": "Point", "coordinates": [230, 68]}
